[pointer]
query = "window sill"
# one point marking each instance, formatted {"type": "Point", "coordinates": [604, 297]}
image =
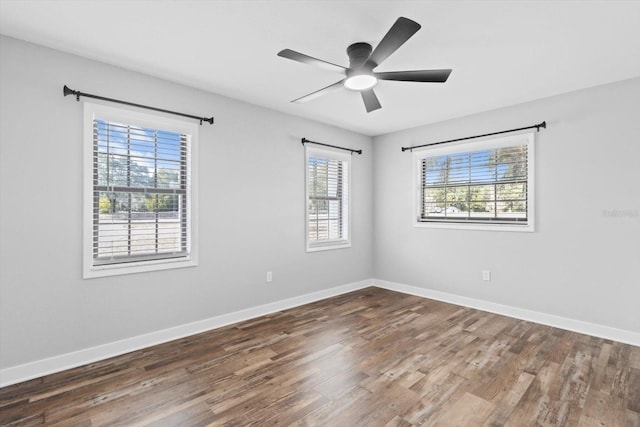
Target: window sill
{"type": "Point", "coordinates": [527, 228]}
{"type": "Point", "coordinates": [139, 267]}
{"type": "Point", "coordinates": [341, 244]}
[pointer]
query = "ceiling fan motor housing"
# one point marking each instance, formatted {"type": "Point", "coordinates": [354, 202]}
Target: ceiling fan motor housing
{"type": "Point", "coordinates": [358, 54]}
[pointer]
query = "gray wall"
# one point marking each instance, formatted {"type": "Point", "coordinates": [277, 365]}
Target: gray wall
{"type": "Point", "coordinates": [251, 211]}
{"type": "Point", "coordinates": [583, 261]}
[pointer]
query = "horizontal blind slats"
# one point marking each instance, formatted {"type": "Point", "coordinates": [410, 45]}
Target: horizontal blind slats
{"type": "Point", "coordinates": [482, 186]}
{"type": "Point", "coordinates": [140, 183]}
{"type": "Point", "coordinates": [327, 197]}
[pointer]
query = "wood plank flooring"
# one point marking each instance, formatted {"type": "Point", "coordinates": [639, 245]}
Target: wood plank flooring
{"type": "Point", "coordinates": [368, 358]}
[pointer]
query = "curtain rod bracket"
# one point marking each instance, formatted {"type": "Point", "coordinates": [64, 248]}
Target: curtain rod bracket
{"type": "Point", "coordinates": [307, 141]}
{"type": "Point", "coordinates": [536, 126]}
{"type": "Point", "coordinates": [67, 91]}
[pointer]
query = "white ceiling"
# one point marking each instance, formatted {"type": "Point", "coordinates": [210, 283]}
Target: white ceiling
{"type": "Point", "coordinates": [501, 52]}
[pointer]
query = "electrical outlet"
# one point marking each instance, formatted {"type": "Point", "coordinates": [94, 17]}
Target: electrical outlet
{"type": "Point", "coordinates": [486, 275]}
{"type": "Point", "coordinates": [269, 276]}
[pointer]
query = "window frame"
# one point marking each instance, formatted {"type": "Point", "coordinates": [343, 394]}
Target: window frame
{"type": "Point", "coordinates": [524, 138]}
{"type": "Point", "coordinates": [345, 241]}
{"type": "Point", "coordinates": [135, 117]}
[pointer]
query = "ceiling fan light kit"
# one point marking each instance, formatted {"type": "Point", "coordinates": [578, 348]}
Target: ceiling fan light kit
{"type": "Point", "coordinates": [363, 59]}
{"type": "Point", "coordinates": [360, 82]}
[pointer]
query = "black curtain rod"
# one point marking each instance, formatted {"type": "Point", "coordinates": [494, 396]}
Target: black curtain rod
{"type": "Point", "coordinates": [305, 141]}
{"type": "Point", "coordinates": [537, 127]}
{"type": "Point", "coordinates": [66, 91]}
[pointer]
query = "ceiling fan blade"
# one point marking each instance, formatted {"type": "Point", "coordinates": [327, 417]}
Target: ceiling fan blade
{"type": "Point", "coordinates": [370, 99]}
{"type": "Point", "coordinates": [320, 92]}
{"type": "Point", "coordinates": [400, 32]}
{"type": "Point", "coordinates": [306, 59]}
{"type": "Point", "coordinates": [429, 76]}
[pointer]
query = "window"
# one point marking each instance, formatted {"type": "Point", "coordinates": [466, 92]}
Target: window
{"type": "Point", "coordinates": [327, 198]}
{"type": "Point", "coordinates": [480, 185]}
{"type": "Point", "coordinates": [139, 192]}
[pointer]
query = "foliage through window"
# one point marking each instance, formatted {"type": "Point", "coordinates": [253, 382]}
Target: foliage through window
{"type": "Point", "coordinates": [140, 193]}
{"type": "Point", "coordinates": [327, 192]}
{"type": "Point", "coordinates": [486, 182]}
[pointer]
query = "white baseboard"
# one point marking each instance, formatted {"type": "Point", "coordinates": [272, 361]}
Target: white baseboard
{"type": "Point", "coordinates": [74, 359]}
{"type": "Point", "coordinates": [601, 331]}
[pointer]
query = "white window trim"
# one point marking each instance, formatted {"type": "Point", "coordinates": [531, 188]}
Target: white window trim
{"type": "Point", "coordinates": [527, 138]}
{"type": "Point", "coordinates": [125, 115]}
{"type": "Point", "coordinates": [329, 153]}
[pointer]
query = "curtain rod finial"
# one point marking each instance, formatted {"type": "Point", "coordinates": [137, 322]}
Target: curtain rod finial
{"type": "Point", "coordinates": [67, 91]}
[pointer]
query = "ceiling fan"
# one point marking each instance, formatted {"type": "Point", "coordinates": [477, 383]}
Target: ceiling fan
{"type": "Point", "coordinates": [359, 76]}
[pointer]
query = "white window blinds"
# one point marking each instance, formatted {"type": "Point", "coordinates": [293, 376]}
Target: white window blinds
{"type": "Point", "coordinates": [489, 184]}
{"type": "Point", "coordinates": [140, 193]}
{"type": "Point", "coordinates": [327, 198]}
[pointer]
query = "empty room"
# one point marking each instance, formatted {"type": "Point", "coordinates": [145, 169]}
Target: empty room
{"type": "Point", "coordinates": [319, 213]}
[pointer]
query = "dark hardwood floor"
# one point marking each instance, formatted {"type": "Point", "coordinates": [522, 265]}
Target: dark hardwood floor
{"type": "Point", "coordinates": [367, 358]}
